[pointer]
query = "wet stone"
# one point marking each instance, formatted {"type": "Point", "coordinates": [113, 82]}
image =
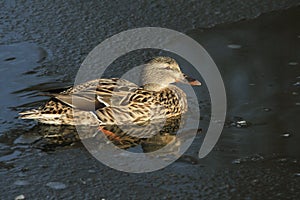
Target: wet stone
{"type": "Point", "coordinates": [297, 83]}
{"type": "Point", "coordinates": [56, 185]}
{"type": "Point", "coordinates": [20, 197]}
{"type": "Point", "coordinates": [236, 161]}
{"type": "Point", "coordinates": [285, 135]}
{"type": "Point", "coordinates": [240, 124]}
{"type": "Point", "coordinates": [297, 174]}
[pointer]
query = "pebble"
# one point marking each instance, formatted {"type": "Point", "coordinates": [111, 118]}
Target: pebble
{"type": "Point", "coordinates": [234, 46]}
{"type": "Point", "coordinates": [240, 124]}
{"type": "Point", "coordinates": [297, 83]}
{"type": "Point", "coordinates": [285, 135]}
{"type": "Point", "coordinates": [297, 174]}
{"type": "Point", "coordinates": [297, 104]}
{"type": "Point", "coordinates": [236, 161]}
{"type": "Point", "coordinates": [267, 109]}
{"type": "Point", "coordinates": [295, 93]}
{"type": "Point", "coordinates": [56, 185]}
{"type": "Point", "coordinates": [20, 197]}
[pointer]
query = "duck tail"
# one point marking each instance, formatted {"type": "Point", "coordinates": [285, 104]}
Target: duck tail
{"type": "Point", "coordinates": [53, 119]}
{"type": "Point", "coordinates": [30, 114]}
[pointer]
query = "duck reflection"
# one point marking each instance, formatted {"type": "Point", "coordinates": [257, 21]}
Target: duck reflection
{"type": "Point", "coordinates": [156, 136]}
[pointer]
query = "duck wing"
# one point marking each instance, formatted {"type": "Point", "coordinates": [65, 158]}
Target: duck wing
{"type": "Point", "coordinates": [97, 94]}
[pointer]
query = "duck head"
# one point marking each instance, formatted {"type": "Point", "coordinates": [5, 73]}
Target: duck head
{"type": "Point", "coordinates": [160, 72]}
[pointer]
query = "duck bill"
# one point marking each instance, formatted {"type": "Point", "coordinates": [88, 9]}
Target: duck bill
{"type": "Point", "coordinates": [190, 80]}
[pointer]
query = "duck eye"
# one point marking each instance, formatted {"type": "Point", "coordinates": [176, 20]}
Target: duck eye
{"type": "Point", "coordinates": [168, 67]}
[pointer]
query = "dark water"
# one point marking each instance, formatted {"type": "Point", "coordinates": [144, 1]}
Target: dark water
{"type": "Point", "coordinates": [260, 63]}
{"type": "Point", "coordinates": [19, 84]}
{"type": "Point", "coordinates": [17, 63]}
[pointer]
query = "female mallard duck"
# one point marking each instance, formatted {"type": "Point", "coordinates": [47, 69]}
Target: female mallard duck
{"type": "Point", "coordinates": [118, 101]}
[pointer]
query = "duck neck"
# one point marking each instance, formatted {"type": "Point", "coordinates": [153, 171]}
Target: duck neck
{"type": "Point", "coordinates": [154, 87]}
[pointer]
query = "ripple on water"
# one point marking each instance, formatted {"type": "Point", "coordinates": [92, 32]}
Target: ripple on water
{"type": "Point", "coordinates": [56, 185]}
{"type": "Point", "coordinates": [19, 81]}
{"type": "Point", "coordinates": [27, 139]}
{"type": "Point", "coordinates": [234, 46]}
{"type": "Point", "coordinates": [293, 63]}
{"type": "Point", "coordinates": [11, 156]}
{"type": "Point", "coordinates": [21, 182]}
{"type": "Point", "coordinates": [16, 59]}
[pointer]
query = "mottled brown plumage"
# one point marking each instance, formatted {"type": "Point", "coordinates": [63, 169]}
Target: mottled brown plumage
{"type": "Point", "coordinates": [118, 102]}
